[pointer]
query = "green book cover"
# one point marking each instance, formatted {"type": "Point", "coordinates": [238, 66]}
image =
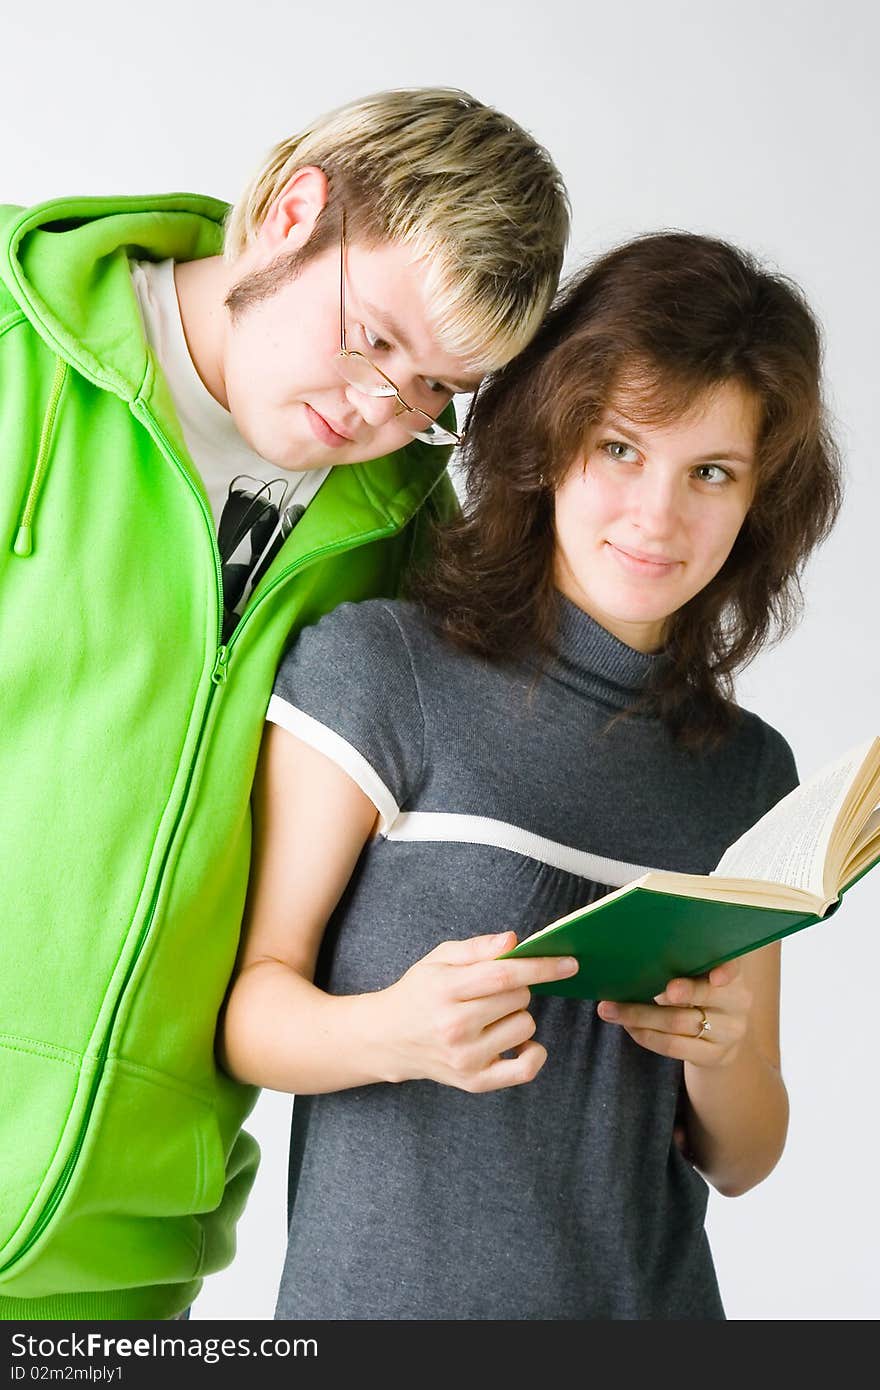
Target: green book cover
{"type": "Point", "coordinates": [631, 944]}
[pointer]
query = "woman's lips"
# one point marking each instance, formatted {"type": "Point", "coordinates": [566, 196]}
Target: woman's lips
{"type": "Point", "coordinates": [639, 562]}
{"type": "Point", "coordinates": [324, 431]}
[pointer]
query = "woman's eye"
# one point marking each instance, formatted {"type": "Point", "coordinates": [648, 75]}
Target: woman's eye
{"type": "Point", "coordinates": [624, 453]}
{"type": "Point", "coordinates": [374, 343]}
{"type": "Point", "coordinates": [712, 473]}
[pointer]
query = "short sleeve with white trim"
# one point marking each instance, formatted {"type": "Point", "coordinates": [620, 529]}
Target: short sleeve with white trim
{"type": "Point", "coordinates": [346, 687]}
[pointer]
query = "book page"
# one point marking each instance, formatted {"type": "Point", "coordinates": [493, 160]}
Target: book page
{"type": "Point", "coordinates": [871, 829]}
{"type": "Point", "coordinates": [865, 850]}
{"type": "Point", "coordinates": [789, 843]}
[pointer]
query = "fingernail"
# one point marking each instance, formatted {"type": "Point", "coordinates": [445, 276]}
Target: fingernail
{"type": "Point", "coordinates": [608, 1011]}
{"type": "Point", "coordinates": [566, 965]}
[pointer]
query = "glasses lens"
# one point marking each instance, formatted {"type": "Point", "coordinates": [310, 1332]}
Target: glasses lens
{"type": "Point", "coordinates": [361, 373]}
{"type": "Point", "coordinates": [433, 434]}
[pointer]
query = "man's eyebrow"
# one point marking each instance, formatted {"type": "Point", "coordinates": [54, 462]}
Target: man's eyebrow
{"type": "Point", "coordinates": [619, 422]}
{"type": "Point", "coordinates": [393, 330]}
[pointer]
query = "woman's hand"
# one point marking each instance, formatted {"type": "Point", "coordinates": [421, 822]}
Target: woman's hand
{"type": "Point", "coordinates": [733, 1114]}
{"type": "Point", "coordinates": [461, 1017]}
{"type": "Point", "coordinates": [702, 1020]}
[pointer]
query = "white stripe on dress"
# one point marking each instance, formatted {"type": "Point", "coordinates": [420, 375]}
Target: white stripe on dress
{"type": "Point", "coordinates": [445, 826]}
{"type": "Point", "coordinates": [482, 830]}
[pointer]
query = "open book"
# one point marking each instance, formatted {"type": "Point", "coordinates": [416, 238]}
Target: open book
{"type": "Point", "coordinates": [786, 872]}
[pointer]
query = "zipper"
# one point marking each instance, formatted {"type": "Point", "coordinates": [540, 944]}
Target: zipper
{"type": "Point", "coordinates": [24, 539]}
{"type": "Point", "coordinates": [218, 675]}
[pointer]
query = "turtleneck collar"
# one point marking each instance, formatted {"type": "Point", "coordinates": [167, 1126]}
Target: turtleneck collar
{"type": "Point", "coordinates": [590, 658]}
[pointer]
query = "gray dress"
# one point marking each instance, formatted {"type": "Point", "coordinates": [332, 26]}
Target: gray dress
{"type": "Point", "coordinates": [508, 795]}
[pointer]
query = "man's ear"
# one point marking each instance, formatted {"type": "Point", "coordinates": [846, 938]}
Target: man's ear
{"type": "Point", "coordinates": [293, 213]}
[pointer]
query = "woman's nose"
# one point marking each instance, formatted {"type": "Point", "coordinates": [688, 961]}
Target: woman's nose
{"type": "Point", "coordinates": [656, 506]}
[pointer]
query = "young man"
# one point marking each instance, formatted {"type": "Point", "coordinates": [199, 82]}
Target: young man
{"type": "Point", "coordinates": [170, 419]}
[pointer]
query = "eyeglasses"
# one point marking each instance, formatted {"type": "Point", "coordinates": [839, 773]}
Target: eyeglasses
{"type": "Point", "coordinates": [365, 376]}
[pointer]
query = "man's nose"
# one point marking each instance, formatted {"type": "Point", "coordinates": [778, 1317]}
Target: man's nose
{"type": "Point", "coordinates": [373, 410]}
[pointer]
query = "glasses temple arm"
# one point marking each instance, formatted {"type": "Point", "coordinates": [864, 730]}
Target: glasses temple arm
{"type": "Point", "coordinates": [342, 342]}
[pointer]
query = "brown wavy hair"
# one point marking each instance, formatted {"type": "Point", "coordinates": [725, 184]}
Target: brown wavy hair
{"type": "Point", "coordinates": [661, 320]}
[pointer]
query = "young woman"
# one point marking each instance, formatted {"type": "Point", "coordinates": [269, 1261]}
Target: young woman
{"type": "Point", "coordinates": [551, 717]}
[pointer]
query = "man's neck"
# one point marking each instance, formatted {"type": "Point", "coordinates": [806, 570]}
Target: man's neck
{"type": "Point", "coordinates": [201, 291]}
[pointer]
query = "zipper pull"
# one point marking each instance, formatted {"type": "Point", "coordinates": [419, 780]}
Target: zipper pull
{"type": "Point", "coordinates": [218, 675]}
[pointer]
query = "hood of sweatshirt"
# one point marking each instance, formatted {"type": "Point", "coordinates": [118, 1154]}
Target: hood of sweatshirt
{"type": "Point", "coordinates": [66, 264]}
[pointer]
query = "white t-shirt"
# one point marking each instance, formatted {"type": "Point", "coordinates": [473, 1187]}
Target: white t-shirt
{"type": "Point", "coordinates": [216, 447]}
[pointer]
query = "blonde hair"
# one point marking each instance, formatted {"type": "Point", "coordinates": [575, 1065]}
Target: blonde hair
{"type": "Point", "coordinates": [478, 200]}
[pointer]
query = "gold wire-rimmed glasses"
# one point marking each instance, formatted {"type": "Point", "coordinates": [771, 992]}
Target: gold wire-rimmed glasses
{"type": "Point", "coordinates": [365, 376]}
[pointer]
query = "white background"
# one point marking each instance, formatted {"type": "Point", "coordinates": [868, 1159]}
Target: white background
{"type": "Point", "coordinates": [755, 121]}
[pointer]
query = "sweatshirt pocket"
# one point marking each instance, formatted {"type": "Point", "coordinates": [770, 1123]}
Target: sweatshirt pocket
{"type": "Point", "coordinates": [149, 1163]}
{"type": "Point", "coordinates": [44, 1095]}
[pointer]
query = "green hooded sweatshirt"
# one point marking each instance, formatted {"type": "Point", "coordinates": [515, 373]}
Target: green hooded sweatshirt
{"type": "Point", "coordinates": [130, 736]}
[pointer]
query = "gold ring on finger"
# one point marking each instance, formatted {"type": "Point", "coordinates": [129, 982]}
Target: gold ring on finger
{"type": "Point", "coordinates": [705, 1026]}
